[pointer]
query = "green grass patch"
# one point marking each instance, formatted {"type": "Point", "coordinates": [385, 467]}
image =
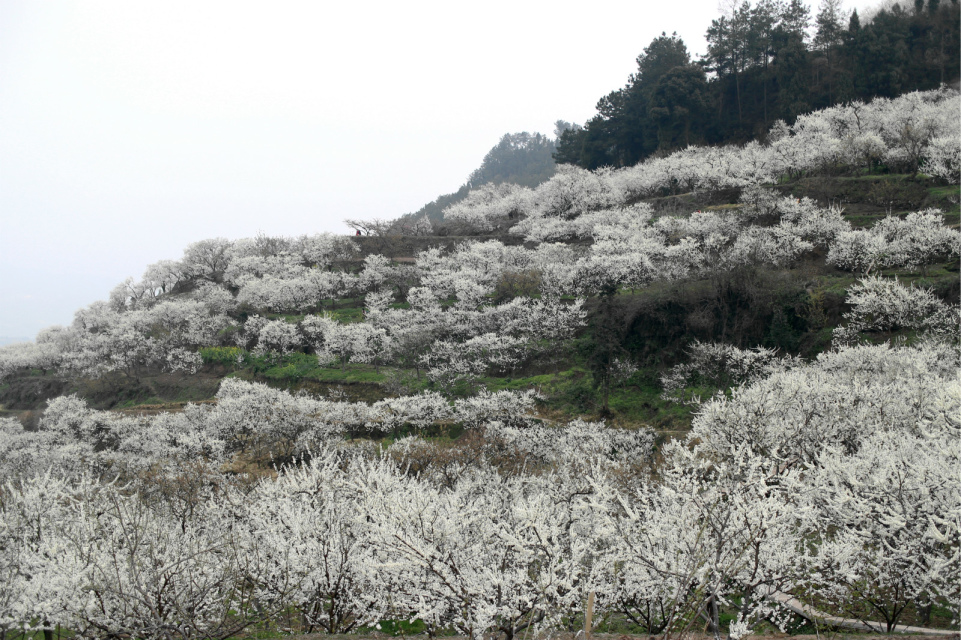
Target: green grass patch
{"type": "Point", "coordinates": [226, 356]}
{"type": "Point", "coordinates": [818, 341]}
{"type": "Point", "coordinates": [946, 192]}
{"type": "Point", "coordinates": [866, 220]}
{"type": "Point", "coordinates": [571, 393]}
{"type": "Point", "coordinates": [936, 276]}
{"type": "Point", "coordinates": [130, 404]}
{"type": "Point", "coordinates": [305, 366]}
{"type": "Point", "coordinates": [933, 276]}
{"type": "Point", "coordinates": [353, 373]}
{"type": "Point", "coordinates": [348, 315]}
{"type": "Point", "coordinates": [331, 304]}
{"type": "Point", "coordinates": [839, 285]}
{"type": "Point", "coordinates": [298, 367]}
{"type": "Point", "coordinates": [545, 381]}
{"type": "Point", "coordinates": [345, 311]}
{"type": "Point", "coordinates": [294, 366]}
{"type": "Point", "coordinates": [645, 404]}
{"type": "Point", "coordinates": [872, 177]}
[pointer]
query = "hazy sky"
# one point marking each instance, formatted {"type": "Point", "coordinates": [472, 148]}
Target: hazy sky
{"type": "Point", "coordinates": [130, 129]}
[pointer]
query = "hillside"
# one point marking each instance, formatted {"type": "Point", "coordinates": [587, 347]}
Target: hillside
{"type": "Point", "coordinates": [716, 387]}
{"type": "Point", "coordinates": [656, 319]}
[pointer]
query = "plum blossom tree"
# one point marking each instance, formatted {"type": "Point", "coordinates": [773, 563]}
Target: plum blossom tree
{"type": "Point", "coordinates": [377, 271]}
{"type": "Point", "coordinates": [131, 295]}
{"type": "Point", "coordinates": [784, 429]}
{"type": "Point", "coordinates": [277, 337]}
{"type": "Point", "coordinates": [295, 294]}
{"type": "Point", "coordinates": [26, 453]}
{"type": "Point", "coordinates": [573, 191]}
{"type": "Point", "coordinates": [912, 122]}
{"type": "Point", "coordinates": [490, 554]}
{"type": "Point", "coordinates": [881, 304]}
{"type": "Point", "coordinates": [269, 422]}
{"type": "Point", "coordinates": [707, 534]}
{"type": "Point", "coordinates": [357, 342]}
{"type": "Point", "coordinates": [775, 246]}
{"type": "Point", "coordinates": [324, 250]}
{"type": "Point", "coordinates": [911, 242]}
{"type": "Point", "coordinates": [216, 298]}
{"type": "Point", "coordinates": [885, 521]}
{"type": "Point", "coordinates": [914, 128]}
{"type": "Point", "coordinates": [150, 576]}
{"type": "Point", "coordinates": [577, 446]}
{"type": "Point", "coordinates": [448, 362]}
{"type": "Point", "coordinates": [207, 259]}
{"type": "Point", "coordinates": [831, 478]}
{"type": "Point", "coordinates": [811, 223]}
{"type": "Point", "coordinates": [312, 528]}
{"type": "Point", "coordinates": [418, 411]}
{"type": "Point", "coordinates": [245, 266]}
{"type": "Point", "coordinates": [840, 398]}
{"type": "Point", "coordinates": [164, 335]}
{"type": "Point", "coordinates": [43, 578]}
{"type": "Point", "coordinates": [503, 407]}
{"type": "Point", "coordinates": [944, 158]}
{"type": "Point", "coordinates": [723, 366]}
{"type": "Point", "coordinates": [43, 355]}
{"type": "Point", "coordinates": [491, 204]}
{"type": "Point", "coordinates": [164, 277]}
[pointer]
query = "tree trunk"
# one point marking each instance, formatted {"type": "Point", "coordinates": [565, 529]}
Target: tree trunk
{"type": "Point", "coordinates": [715, 625]}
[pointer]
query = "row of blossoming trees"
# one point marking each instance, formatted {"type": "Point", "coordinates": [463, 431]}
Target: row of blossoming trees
{"type": "Point", "coordinates": [832, 481]}
{"type": "Point", "coordinates": [917, 131]}
{"type": "Point", "coordinates": [449, 326]}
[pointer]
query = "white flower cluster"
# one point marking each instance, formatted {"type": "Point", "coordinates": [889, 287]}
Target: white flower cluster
{"type": "Point", "coordinates": [722, 366]}
{"type": "Point", "coordinates": [248, 419]}
{"type": "Point", "coordinates": [911, 242]}
{"type": "Point", "coordinates": [106, 337]}
{"type": "Point", "coordinates": [880, 304]}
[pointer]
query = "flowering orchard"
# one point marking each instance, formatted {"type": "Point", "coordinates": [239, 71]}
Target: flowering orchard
{"type": "Point", "coordinates": [828, 480]}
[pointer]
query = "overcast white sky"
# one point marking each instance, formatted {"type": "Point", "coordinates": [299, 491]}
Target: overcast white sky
{"type": "Point", "coordinates": [130, 129]}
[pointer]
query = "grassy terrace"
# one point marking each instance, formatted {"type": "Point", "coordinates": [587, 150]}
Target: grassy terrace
{"type": "Point", "coordinates": [566, 385]}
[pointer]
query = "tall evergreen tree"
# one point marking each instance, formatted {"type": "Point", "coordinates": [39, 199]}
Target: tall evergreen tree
{"type": "Point", "coordinates": [623, 131]}
{"type": "Point", "coordinates": [677, 106]}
